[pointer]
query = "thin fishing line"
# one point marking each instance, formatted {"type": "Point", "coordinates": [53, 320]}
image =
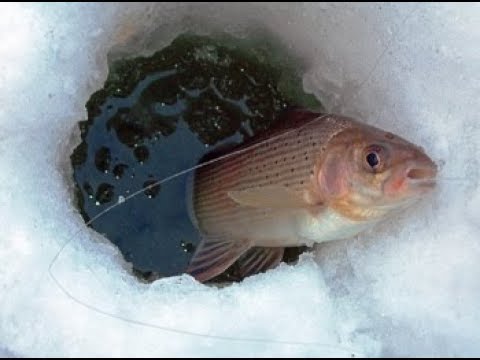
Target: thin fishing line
{"type": "Point", "coordinates": [453, 179]}
{"type": "Point", "coordinates": [168, 329]}
{"type": "Point", "coordinates": [186, 171]}
{"type": "Point", "coordinates": [381, 56]}
{"type": "Point", "coordinates": [191, 333]}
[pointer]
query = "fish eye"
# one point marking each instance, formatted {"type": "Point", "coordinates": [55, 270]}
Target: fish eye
{"type": "Point", "coordinates": [374, 157]}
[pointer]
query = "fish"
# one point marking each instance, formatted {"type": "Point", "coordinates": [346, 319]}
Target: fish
{"type": "Point", "coordinates": [309, 179]}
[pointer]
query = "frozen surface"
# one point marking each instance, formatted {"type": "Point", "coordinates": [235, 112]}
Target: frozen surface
{"type": "Point", "coordinates": [409, 287]}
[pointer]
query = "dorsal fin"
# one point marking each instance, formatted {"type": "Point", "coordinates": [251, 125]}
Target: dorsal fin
{"type": "Point", "coordinates": [288, 119]}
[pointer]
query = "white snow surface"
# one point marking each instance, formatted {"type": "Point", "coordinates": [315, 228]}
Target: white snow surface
{"type": "Point", "coordinates": [407, 287]}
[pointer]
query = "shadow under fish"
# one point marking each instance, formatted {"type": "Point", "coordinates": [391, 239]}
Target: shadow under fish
{"type": "Point", "coordinates": [309, 179]}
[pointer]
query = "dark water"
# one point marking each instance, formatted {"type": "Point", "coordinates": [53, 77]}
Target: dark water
{"type": "Point", "coordinates": [157, 116]}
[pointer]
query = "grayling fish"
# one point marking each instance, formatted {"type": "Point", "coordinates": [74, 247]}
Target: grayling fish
{"type": "Point", "coordinates": [311, 179]}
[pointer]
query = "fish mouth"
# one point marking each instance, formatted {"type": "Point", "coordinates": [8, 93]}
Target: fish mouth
{"type": "Point", "coordinates": [422, 173]}
{"type": "Point", "coordinates": [422, 177]}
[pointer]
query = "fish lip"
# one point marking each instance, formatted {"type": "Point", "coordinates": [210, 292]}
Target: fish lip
{"type": "Point", "coordinates": [422, 176]}
{"type": "Point", "coordinates": [421, 173]}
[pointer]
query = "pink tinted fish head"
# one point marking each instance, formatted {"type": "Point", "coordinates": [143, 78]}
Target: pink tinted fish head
{"type": "Point", "coordinates": [365, 172]}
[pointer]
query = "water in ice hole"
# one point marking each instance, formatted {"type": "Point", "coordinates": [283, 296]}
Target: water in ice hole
{"type": "Point", "coordinates": [433, 314]}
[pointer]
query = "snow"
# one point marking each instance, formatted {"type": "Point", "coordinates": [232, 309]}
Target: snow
{"type": "Point", "coordinates": [408, 287]}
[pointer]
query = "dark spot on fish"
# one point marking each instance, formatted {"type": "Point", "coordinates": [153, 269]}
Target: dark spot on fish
{"type": "Point", "coordinates": [389, 136]}
{"type": "Point", "coordinates": [292, 170]}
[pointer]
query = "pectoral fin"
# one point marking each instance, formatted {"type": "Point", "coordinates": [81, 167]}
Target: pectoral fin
{"type": "Point", "coordinates": [275, 197]}
{"type": "Point", "coordinates": [214, 255]}
{"type": "Point", "coordinates": [259, 259]}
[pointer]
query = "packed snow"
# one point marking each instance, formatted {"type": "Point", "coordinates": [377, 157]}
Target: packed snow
{"type": "Point", "coordinates": [409, 287]}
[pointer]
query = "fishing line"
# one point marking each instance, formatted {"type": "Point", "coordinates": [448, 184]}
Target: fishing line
{"type": "Point", "coordinates": [381, 56]}
{"type": "Point", "coordinates": [162, 181]}
{"type": "Point", "coordinates": [186, 171]}
{"type": "Point", "coordinates": [191, 333]}
{"type": "Point", "coordinates": [193, 168]}
{"type": "Point", "coordinates": [169, 329]}
{"type": "Point", "coordinates": [452, 179]}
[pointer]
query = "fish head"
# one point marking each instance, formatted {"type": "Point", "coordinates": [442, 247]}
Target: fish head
{"type": "Point", "coordinates": [370, 172]}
